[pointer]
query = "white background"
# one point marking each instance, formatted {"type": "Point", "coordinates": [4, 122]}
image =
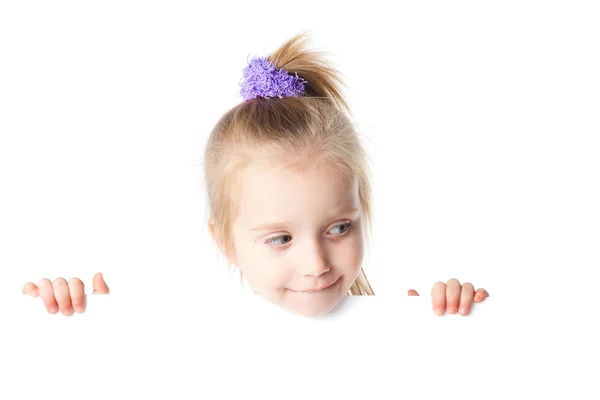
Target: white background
{"type": "Point", "coordinates": [482, 122]}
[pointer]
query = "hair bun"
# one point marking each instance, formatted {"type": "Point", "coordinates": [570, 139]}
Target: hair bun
{"type": "Point", "coordinates": [261, 78]}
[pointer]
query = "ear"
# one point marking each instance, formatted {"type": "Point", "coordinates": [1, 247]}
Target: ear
{"type": "Point", "coordinates": [211, 229]}
{"type": "Point", "coordinates": [215, 232]}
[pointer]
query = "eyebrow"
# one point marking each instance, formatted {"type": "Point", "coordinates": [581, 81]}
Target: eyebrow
{"type": "Point", "coordinates": [273, 225]}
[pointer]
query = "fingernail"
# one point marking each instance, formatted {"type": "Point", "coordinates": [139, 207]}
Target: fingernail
{"type": "Point", "coordinates": [79, 309]}
{"type": "Point", "coordinates": [463, 311]}
{"type": "Point", "coordinates": [451, 310]}
{"type": "Point", "coordinates": [67, 311]}
{"type": "Point", "coordinates": [439, 311]}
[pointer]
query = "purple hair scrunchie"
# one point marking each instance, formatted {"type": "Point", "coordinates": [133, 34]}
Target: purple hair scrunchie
{"type": "Point", "coordinates": [263, 79]}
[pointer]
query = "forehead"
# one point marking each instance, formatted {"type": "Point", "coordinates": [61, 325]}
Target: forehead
{"type": "Point", "coordinates": [274, 191]}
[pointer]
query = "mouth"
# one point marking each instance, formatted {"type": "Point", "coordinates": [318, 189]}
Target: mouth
{"type": "Point", "coordinates": [318, 289]}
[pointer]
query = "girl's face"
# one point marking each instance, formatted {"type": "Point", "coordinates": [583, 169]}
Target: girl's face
{"type": "Point", "coordinates": [297, 232]}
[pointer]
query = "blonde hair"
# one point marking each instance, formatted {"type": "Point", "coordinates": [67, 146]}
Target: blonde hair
{"type": "Point", "coordinates": [295, 132]}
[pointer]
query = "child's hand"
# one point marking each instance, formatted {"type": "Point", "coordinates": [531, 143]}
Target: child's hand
{"type": "Point", "coordinates": [63, 295]}
{"type": "Point", "coordinates": [452, 296]}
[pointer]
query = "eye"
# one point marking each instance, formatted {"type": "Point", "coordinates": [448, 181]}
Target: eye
{"type": "Point", "coordinates": [275, 239]}
{"type": "Point", "coordinates": [345, 224]}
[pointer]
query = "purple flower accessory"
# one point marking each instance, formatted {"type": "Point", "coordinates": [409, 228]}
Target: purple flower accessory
{"type": "Point", "coordinates": [263, 79]}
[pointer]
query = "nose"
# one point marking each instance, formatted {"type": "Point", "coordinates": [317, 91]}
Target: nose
{"type": "Point", "coordinates": [316, 261]}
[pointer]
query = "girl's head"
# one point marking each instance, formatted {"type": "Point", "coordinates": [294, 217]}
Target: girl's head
{"type": "Point", "coordinates": [288, 190]}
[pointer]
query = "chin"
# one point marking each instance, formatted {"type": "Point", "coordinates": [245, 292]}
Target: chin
{"type": "Point", "coordinates": [314, 313]}
{"type": "Point", "coordinates": [316, 310]}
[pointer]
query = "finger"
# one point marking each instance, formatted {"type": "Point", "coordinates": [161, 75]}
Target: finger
{"type": "Point", "coordinates": [438, 298]}
{"type": "Point", "coordinates": [453, 290]}
{"type": "Point", "coordinates": [31, 289]}
{"type": "Point", "coordinates": [480, 295]}
{"type": "Point", "coordinates": [412, 292]}
{"type": "Point", "coordinates": [47, 295]}
{"type": "Point", "coordinates": [77, 294]}
{"type": "Point", "coordinates": [466, 298]}
{"type": "Point", "coordinates": [62, 295]}
{"type": "Point", "coordinates": [100, 287]}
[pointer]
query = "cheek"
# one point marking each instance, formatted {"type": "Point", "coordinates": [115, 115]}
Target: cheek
{"type": "Point", "coordinates": [248, 258]}
{"type": "Point", "coordinates": [262, 268]}
{"type": "Point", "coordinates": [351, 255]}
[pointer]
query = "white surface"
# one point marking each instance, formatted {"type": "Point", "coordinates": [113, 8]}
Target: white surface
{"type": "Point", "coordinates": [370, 346]}
{"type": "Point", "coordinates": [482, 124]}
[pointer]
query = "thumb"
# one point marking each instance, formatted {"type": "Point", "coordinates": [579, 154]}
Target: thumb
{"type": "Point", "coordinates": [99, 285]}
{"type": "Point", "coordinates": [412, 292]}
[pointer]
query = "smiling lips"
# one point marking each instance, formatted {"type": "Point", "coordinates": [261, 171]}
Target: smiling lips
{"type": "Point", "coordinates": [318, 289]}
